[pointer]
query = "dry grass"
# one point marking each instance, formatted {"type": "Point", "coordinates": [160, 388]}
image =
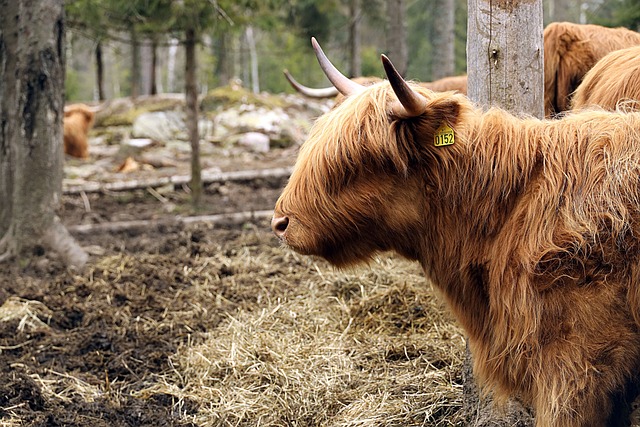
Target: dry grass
{"type": "Point", "coordinates": [227, 329]}
{"type": "Point", "coordinates": [369, 347]}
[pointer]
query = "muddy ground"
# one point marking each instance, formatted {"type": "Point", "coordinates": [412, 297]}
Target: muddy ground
{"type": "Point", "coordinates": [278, 339]}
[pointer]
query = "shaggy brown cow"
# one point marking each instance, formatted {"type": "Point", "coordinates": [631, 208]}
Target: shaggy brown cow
{"type": "Point", "coordinates": [570, 50]}
{"type": "Point", "coordinates": [78, 120]}
{"type": "Point", "coordinates": [457, 83]}
{"type": "Point", "coordinates": [529, 228]}
{"type": "Point", "coordinates": [614, 81]}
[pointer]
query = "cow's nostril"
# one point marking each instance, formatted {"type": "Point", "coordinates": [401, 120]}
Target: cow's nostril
{"type": "Point", "coordinates": [279, 225]}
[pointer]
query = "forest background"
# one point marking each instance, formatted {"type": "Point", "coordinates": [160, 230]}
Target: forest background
{"type": "Point", "coordinates": [119, 48]}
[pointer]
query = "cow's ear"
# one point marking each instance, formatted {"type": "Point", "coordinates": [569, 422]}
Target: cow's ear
{"type": "Point", "coordinates": [443, 109]}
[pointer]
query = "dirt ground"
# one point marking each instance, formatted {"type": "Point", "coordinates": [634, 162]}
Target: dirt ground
{"type": "Point", "coordinates": [217, 325]}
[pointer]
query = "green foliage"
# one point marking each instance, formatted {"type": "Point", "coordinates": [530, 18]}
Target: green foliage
{"type": "Point", "coordinates": [460, 39]}
{"type": "Point", "coordinates": [282, 29]}
{"type": "Point", "coordinates": [71, 85]}
{"type": "Point", "coordinates": [196, 14]}
{"type": "Point", "coordinates": [421, 54]}
{"type": "Point", "coordinates": [86, 15]}
{"type": "Point", "coordinates": [312, 18]}
{"type": "Point", "coordinates": [617, 13]}
{"type": "Point", "coordinates": [371, 65]}
{"type": "Point", "coordinates": [420, 26]}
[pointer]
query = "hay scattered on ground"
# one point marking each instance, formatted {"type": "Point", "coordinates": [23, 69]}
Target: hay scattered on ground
{"type": "Point", "coordinates": [213, 327]}
{"type": "Point", "coordinates": [369, 347]}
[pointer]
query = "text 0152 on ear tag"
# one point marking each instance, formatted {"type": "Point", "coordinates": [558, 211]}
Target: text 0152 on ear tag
{"type": "Point", "coordinates": [443, 136]}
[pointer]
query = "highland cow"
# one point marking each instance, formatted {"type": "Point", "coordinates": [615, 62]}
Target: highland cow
{"type": "Point", "coordinates": [613, 82]}
{"type": "Point", "coordinates": [529, 228]}
{"type": "Point", "coordinates": [570, 50]}
{"type": "Point", "coordinates": [78, 120]}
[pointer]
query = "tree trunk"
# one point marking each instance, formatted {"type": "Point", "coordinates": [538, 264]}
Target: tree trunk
{"type": "Point", "coordinates": [31, 104]}
{"type": "Point", "coordinates": [224, 66]}
{"type": "Point", "coordinates": [192, 116]}
{"type": "Point", "coordinates": [505, 45]}
{"type": "Point", "coordinates": [504, 51]}
{"type": "Point", "coordinates": [99, 71]}
{"type": "Point", "coordinates": [153, 82]}
{"type": "Point", "coordinates": [355, 63]}
{"type": "Point", "coordinates": [443, 63]}
{"type": "Point", "coordinates": [171, 65]}
{"type": "Point", "coordinates": [397, 35]}
{"type": "Point", "coordinates": [145, 67]}
{"type": "Point", "coordinates": [135, 64]}
{"type": "Point", "coordinates": [243, 60]}
{"type": "Point", "coordinates": [253, 59]}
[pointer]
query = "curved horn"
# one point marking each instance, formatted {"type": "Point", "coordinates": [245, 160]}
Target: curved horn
{"type": "Point", "coordinates": [325, 92]}
{"type": "Point", "coordinates": [341, 82]}
{"type": "Point", "coordinates": [413, 103]}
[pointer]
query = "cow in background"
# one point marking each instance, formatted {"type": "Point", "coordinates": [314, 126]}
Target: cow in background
{"type": "Point", "coordinates": [529, 228]}
{"type": "Point", "coordinates": [78, 120]}
{"type": "Point", "coordinates": [570, 50]}
{"type": "Point", "coordinates": [614, 82]}
{"type": "Point", "coordinates": [455, 83]}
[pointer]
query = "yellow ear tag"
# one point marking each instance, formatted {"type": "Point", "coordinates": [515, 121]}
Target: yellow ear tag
{"type": "Point", "coordinates": [443, 136]}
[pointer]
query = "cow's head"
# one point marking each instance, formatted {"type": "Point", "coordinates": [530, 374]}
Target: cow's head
{"type": "Point", "coordinates": [361, 179]}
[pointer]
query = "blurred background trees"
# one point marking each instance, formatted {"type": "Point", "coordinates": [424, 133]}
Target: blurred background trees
{"type": "Point", "coordinates": [121, 48]}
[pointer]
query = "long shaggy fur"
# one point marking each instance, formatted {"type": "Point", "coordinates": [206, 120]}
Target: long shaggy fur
{"type": "Point", "coordinates": [570, 50]}
{"type": "Point", "coordinates": [529, 228]}
{"type": "Point", "coordinates": [614, 82]}
{"type": "Point", "coordinates": [78, 120]}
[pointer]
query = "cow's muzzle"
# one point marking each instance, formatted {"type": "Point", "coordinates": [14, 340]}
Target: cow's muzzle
{"type": "Point", "coordinates": [279, 225]}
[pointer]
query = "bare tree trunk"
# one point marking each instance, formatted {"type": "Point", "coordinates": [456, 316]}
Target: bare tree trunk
{"type": "Point", "coordinates": [243, 60]}
{"type": "Point", "coordinates": [100, 71]}
{"type": "Point", "coordinates": [253, 59]}
{"type": "Point", "coordinates": [135, 64]}
{"type": "Point", "coordinates": [153, 82]}
{"type": "Point", "coordinates": [397, 35]}
{"type": "Point", "coordinates": [145, 67]}
{"type": "Point", "coordinates": [505, 45]}
{"type": "Point", "coordinates": [31, 103]}
{"type": "Point", "coordinates": [171, 66]}
{"type": "Point", "coordinates": [355, 63]}
{"type": "Point", "coordinates": [505, 57]}
{"type": "Point", "coordinates": [224, 66]}
{"type": "Point", "coordinates": [191, 91]}
{"type": "Point", "coordinates": [443, 63]}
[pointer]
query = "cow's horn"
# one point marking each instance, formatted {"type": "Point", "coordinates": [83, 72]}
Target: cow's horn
{"type": "Point", "coordinates": [325, 92]}
{"type": "Point", "coordinates": [344, 85]}
{"type": "Point", "coordinates": [414, 104]}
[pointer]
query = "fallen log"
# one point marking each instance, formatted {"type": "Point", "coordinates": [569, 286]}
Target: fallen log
{"type": "Point", "coordinates": [217, 219]}
{"type": "Point", "coordinates": [207, 178]}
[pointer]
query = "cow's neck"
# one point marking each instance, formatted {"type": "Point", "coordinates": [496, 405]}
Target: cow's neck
{"type": "Point", "coordinates": [488, 174]}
